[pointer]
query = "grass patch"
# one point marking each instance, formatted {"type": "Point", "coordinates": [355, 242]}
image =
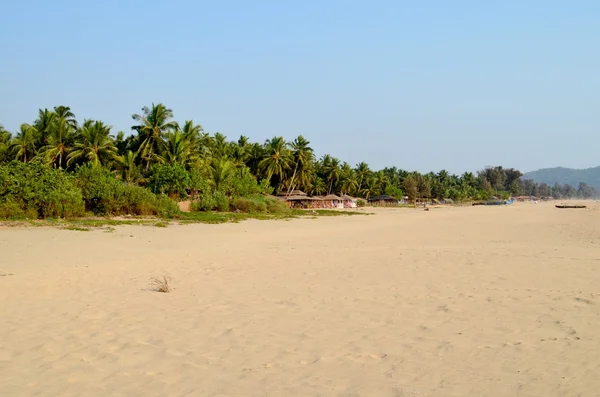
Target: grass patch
{"type": "Point", "coordinates": [207, 217]}
{"type": "Point", "coordinates": [78, 228]}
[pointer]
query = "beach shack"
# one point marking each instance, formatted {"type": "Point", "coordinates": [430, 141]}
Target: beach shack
{"type": "Point", "coordinates": [297, 199]}
{"type": "Point", "coordinates": [383, 201]}
{"type": "Point", "coordinates": [332, 201]}
{"type": "Point", "coordinates": [349, 201]}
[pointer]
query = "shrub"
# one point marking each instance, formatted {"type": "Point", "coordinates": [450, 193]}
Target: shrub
{"type": "Point", "coordinates": [241, 204]}
{"type": "Point", "coordinates": [276, 206]}
{"type": "Point", "coordinates": [172, 180]}
{"type": "Point", "coordinates": [361, 203]}
{"type": "Point", "coordinates": [35, 190]}
{"type": "Point", "coordinates": [104, 194]}
{"type": "Point", "coordinates": [250, 204]}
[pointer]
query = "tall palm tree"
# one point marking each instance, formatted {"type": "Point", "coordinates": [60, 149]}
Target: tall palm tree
{"type": "Point", "coordinates": [362, 173]}
{"type": "Point", "coordinates": [154, 123]}
{"type": "Point", "coordinates": [55, 152]}
{"type": "Point", "coordinates": [65, 113]}
{"type": "Point", "coordinates": [94, 145]}
{"type": "Point", "coordinates": [44, 125]}
{"type": "Point", "coordinates": [24, 143]}
{"type": "Point", "coordinates": [178, 149]}
{"type": "Point", "coordinates": [240, 150]}
{"type": "Point", "coordinates": [220, 146]}
{"type": "Point", "coordinates": [332, 170]}
{"type": "Point", "coordinates": [277, 158]}
{"type": "Point", "coordinates": [349, 182]}
{"type": "Point", "coordinates": [302, 156]}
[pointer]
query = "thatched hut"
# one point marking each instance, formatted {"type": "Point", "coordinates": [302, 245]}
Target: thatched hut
{"type": "Point", "coordinates": [296, 199]}
{"type": "Point", "coordinates": [384, 201]}
{"type": "Point", "coordinates": [332, 201]}
{"type": "Point", "coordinates": [349, 201]}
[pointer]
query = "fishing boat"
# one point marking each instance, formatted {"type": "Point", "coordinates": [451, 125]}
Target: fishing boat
{"type": "Point", "coordinates": [570, 206]}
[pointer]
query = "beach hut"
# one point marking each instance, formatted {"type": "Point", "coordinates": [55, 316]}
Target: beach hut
{"type": "Point", "coordinates": [331, 201]}
{"type": "Point", "coordinates": [296, 199]}
{"type": "Point", "coordinates": [349, 201]}
{"type": "Point", "coordinates": [384, 201]}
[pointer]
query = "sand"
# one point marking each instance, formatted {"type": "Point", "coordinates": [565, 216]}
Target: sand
{"type": "Point", "coordinates": [477, 301]}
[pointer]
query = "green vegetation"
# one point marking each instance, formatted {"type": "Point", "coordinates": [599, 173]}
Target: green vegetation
{"type": "Point", "coordinates": [56, 167]}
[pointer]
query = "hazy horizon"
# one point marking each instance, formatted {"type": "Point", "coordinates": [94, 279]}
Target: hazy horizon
{"type": "Point", "coordinates": [456, 86]}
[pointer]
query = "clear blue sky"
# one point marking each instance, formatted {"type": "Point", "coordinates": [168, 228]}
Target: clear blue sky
{"type": "Point", "coordinates": [418, 85]}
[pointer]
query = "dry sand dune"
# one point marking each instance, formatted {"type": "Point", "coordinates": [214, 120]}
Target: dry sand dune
{"type": "Point", "coordinates": [482, 301]}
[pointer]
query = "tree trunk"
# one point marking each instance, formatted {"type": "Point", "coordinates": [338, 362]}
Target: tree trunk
{"type": "Point", "coordinates": [292, 181]}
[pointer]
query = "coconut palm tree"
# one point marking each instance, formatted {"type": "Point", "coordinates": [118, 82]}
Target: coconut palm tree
{"type": "Point", "coordinates": [220, 170]}
{"type": "Point", "coordinates": [178, 149]}
{"type": "Point", "coordinates": [65, 113]}
{"type": "Point", "coordinates": [331, 170]}
{"type": "Point", "coordinates": [127, 164]}
{"type": "Point", "coordinates": [349, 181]}
{"type": "Point", "coordinates": [302, 157]}
{"type": "Point", "coordinates": [362, 173]}
{"type": "Point", "coordinates": [240, 150]}
{"type": "Point", "coordinates": [154, 123]}
{"type": "Point", "coordinates": [94, 145]}
{"type": "Point", "coordinates": [23, 143]}
{"type": "Point", "coordinates": [44, 125]}
{"type": "Point", "coordinates": [55, 152]}
{"type": "Point", "coordinates": [277, 158]}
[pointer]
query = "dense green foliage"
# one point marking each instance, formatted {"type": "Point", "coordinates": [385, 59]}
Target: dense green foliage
{"type": "Point", "coordinates": [56, 166]}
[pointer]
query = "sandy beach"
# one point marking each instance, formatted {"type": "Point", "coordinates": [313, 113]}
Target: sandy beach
{"type": "Point", "coordinates": [473, 301]}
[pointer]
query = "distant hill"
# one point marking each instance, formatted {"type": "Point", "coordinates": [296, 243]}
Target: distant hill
{"type": "Point", "coordinates": [569, 176]}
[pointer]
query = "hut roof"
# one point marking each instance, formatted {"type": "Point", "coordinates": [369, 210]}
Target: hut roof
{"type": "Point", "coordinates": [331, 197]}
{"type": "Point", "coordinates": [383, 197]}
{"type": "Point", "coordinates": [292, 193]}
{"type": "Point", "coordinates": [347, 197]}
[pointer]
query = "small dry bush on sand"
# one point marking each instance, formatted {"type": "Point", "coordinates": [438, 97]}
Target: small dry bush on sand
{"type": "Point", "coordinates": [161, 284]}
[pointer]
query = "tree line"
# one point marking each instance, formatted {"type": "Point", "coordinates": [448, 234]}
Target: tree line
{"type": "Point", "coordinates": [181, 159]}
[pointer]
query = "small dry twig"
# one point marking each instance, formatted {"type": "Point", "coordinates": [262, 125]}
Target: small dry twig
{"type": "Point", "coordinates": [161, 284]}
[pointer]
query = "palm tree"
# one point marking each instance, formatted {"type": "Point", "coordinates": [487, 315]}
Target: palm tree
{"type": "Point", "coordinates": [55, 152]}
{"type": "Point", "coordinates": [24, 142]}
{"type": "Point", "coordinates": [44, 125]}
{"type": "Point", "coordinates": [154, 123]}
{"type": "Point", "coordinates": [362, 173]}
{"type": "Point", "coordinates": [276, 161]}
{"type": "Point", "coordinates": [302, 156]}
{"type": "Point", "coordinates": [94, 145]}
{"type": "Point", "coordinates": [65, 113]}
{"type": "Point", "coordinates": [241, 150]}
{"type": "Point", "coordinates": [220, 170]}
{"type": "Point", "coordinates": [332, 170]}
{"type": "Point", "coordinates": [220, 146]}
{"type": "Point", "coordinates": [349, 182]}
{"type": "Point", "coordinates": [177, 149]}
{"type": "Point", "coordinates": [128, 166]}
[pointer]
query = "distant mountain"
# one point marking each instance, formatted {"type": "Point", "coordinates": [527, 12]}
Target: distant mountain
{"type": "Point", "coordinates": [569, 176]}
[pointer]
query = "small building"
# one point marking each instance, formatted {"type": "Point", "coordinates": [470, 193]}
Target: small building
{"type": "Point", "coordinates": [349, 201]}
{"type": "Point", "coordinates": [332, 201]}
{"type": "Point", "coordinates": [297, 199]}
{"type": "Point", "coordinates": [384, 201]}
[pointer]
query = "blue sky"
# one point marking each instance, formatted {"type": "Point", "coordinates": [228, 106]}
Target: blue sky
{"type": "Point", "coordinates": [418, 85]}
